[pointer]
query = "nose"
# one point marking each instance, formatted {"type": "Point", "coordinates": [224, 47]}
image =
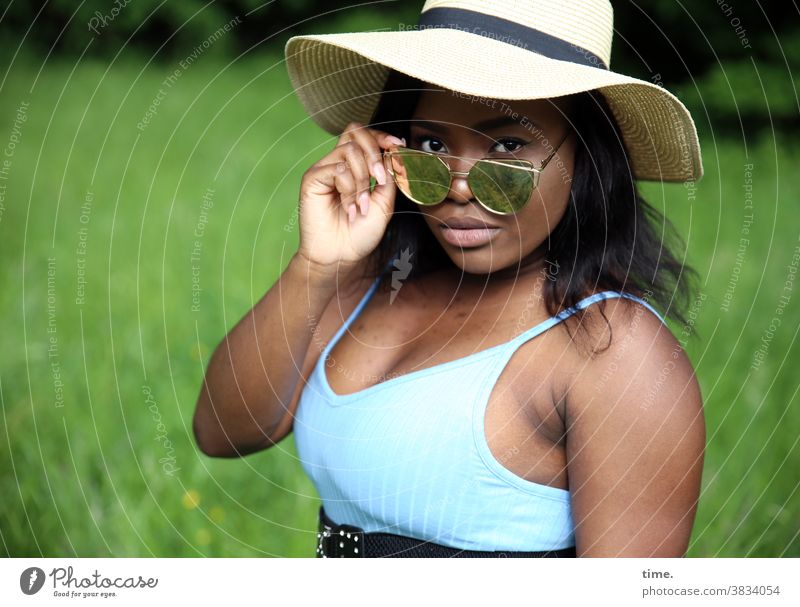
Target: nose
{"type": "Point", "coordinates": [459, 187]}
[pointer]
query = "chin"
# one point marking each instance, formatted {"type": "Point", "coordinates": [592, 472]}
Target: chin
{"type": "Point", "coordinates": [479, 262]}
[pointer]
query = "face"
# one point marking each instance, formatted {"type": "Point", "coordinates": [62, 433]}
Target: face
{"type": "Point", "coordinates": [458, 125]}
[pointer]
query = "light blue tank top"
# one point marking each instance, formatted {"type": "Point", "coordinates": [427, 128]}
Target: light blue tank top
{"type": "Point", "coordinates": [409, 456]}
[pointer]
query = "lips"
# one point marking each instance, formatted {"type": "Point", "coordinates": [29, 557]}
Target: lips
{"type": "Point", "coordinates": [466, 223]}
{"type": "Point", "coordinates": [467, 231]}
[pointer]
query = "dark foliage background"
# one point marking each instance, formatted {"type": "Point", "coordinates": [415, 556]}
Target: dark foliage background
{"type": "Point", "coordinates": [744, 52]}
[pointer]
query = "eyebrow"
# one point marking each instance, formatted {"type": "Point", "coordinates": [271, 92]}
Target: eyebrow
{"type": "Point", "coordinates": [483, 125]}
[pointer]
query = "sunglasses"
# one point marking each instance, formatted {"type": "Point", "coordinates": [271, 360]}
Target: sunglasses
{"type": "Point", "coordinates": [502, 186]}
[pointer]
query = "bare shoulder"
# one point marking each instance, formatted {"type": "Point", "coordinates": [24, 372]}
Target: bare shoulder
{"type": "Point", "coordinates": [636, 435]}
{"type": "Point", "coordinates": [622, 339]}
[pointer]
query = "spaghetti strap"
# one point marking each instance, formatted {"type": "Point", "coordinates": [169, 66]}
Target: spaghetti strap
{"type": "Point", "coordinates": [587, 301]}
{"type": "Point", "coordinates": [645, 304]}
{"type": "Point", "coordinates": [363, 302]}
{"type": "Point", "coordinates": [582, 304]}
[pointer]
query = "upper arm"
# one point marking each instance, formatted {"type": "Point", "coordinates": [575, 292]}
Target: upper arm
{"type": "Point", "coordinates": [330, 320]}
{"type": "Point", "coordinates": [285, 426]}
{"type": "Point", "coordinates": [635, 441]}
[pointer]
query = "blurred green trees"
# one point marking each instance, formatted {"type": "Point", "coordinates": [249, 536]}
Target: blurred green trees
{"type": "Point", "coordinates": [733, 61]}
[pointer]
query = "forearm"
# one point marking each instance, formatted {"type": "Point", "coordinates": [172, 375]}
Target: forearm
{"type": "Point", "coordinates": [253, 372]}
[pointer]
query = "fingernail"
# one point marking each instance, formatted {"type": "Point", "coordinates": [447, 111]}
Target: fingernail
{"type": "Point", "coordinates": [380, 173]}
{"type": "Point", "coordinates": [363, 199]}
{"type": "Point", "coordinates": [396, 140]}
{"type": "Point", "coordinates": [351, 213]}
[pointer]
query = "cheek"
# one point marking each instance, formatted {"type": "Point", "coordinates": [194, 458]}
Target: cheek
{"type": "Point", "coordinates": [539, 218]}
{"type": "Point", "coordinates": [551, 199]}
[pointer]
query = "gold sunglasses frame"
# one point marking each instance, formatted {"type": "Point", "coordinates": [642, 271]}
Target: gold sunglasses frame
{"type": "Point", "coordinates": [535, 171]}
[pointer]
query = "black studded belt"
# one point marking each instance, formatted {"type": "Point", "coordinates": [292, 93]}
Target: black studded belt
{"type": "Point", "coordinates": [342, 540]}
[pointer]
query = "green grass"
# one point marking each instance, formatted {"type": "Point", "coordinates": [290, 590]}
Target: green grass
{"type": "Point", "coordinates": [85, 479]}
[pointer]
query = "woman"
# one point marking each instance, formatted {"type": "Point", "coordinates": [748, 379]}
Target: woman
{"type": "Point", "coordinates": [449, 420]}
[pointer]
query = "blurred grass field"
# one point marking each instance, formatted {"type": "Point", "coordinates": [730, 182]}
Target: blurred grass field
{"type": "Point", "coordinates": [179, 227]}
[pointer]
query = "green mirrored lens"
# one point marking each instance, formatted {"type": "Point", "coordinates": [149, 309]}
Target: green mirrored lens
{"type": "Point", "coordinates": [420, 176]}
{"type": "Point", "coordinates": [500, 185]}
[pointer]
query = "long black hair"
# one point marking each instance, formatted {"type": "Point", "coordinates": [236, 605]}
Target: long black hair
{"type": "Point", "coordinates": [609, 238]}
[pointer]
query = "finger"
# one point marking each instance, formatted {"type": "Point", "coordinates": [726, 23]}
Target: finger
{"type": "Point", "coordinates": [372, 141]}
{"type": "Point", "coordinates": [383, 195]}
{"type": "Point", "coordinates": [368, 140]}
{"type": "Point", "coordinates": [354, 130]}
{"type": "Point", "coordinates": [357, 165]}
{"type": "Point", "coordinates": [361, 172]}
{"type": "Point", "coordinates": [323, 173]}
{"type": "Point", "coordinates": [345, 185]}
{"type": "Point", "coordinates": [348, 132]}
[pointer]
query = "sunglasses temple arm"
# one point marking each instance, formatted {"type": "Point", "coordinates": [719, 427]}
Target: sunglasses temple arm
{"type": "Point", "coordinates": [555, 149]}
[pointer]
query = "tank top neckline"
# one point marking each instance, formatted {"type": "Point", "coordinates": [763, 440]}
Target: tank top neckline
{"type": "Point", "coordinates": [514, 342]}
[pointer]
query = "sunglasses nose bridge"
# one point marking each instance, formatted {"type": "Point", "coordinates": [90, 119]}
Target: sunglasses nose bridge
{"type": "Point", "coordinates": [460, 192]}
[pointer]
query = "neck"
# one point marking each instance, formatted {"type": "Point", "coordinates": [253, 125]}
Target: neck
{"type": "Point", "coordinates": [532, 264]}
{"type": "Point", "coordinates": [531, 267]}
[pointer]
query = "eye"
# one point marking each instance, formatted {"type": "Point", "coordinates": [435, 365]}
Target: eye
{"type": "Point", "coordinates": [505, 142]}
{"type": "Point", "coordinates": [507, 145]}
{"type": "Point", "coordinates": [418, 143]}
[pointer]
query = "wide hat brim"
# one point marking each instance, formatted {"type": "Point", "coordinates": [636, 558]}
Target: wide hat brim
{"type": "Point", "coordinates": [338, 78]}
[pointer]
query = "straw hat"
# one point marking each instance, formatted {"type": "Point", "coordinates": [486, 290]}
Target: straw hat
{"type": "Point", "coordinates": [530, 49]}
